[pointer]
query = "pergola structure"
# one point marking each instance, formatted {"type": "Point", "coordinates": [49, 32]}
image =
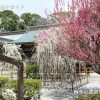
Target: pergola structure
{"type": "Point", "coordinates": [19, 65]}
{"type": "Point", "coordinates": [27, 44]}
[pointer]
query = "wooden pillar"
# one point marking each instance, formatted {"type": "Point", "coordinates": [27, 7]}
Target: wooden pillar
{"type": "Point", "coordinates": [20, 84]}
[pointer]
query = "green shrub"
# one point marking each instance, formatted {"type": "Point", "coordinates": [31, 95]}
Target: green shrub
{"type": "Point", "coordinates": [30, 86]}
{"type": "Point", "coordinates": [12, 84]}
{"type": "Point", "coordinates": [32, 71]}
{"type": "Point", "coordinates": [3, 81]}
{"type": "Point", "coordinates": [89, 97]}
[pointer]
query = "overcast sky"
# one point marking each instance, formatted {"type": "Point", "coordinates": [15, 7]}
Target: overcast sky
{"type": "Point", "coordinates": [33, 6]}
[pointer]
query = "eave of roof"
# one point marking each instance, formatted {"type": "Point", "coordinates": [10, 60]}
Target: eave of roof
{"type": "Point", "coordinates": [28, 37]}
{"type": "Point", "coordinates": [5, 40]}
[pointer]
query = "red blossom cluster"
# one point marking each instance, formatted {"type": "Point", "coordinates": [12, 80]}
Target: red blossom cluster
{"type": "Point", "coordinates": [78, 35]}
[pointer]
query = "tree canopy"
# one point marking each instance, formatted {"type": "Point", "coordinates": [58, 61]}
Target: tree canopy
{"type": "Point", "coordinates": [30, 19]}
{"type": "Point", "coordinates": [9, 21]}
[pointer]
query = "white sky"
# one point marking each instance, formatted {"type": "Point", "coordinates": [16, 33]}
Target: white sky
{"type": "Point", "coordinates": [33, 6]}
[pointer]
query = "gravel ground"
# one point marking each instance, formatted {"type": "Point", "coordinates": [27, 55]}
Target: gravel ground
{"type": "Point", "coordinates": [51, 94]}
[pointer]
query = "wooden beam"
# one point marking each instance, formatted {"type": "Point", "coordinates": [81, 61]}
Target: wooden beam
{"type": "Point", "coordinates": [9, 60]}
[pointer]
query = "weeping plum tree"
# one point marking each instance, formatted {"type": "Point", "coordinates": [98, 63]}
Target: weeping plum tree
{"type": "Point", "coordinates": [79, 35]}
{"type": "Point", "coordinates": [57, 70]}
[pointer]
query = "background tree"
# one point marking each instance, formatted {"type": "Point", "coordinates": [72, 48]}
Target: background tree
{"type": "Point", "coordinates": [9, 21]}
{"type": "Point", "coordinates": [53, 19]}
{"type": "Point", "coordinates": [43, 21]}
{"type": "Point", "coordinates": [21, 25]}
{"type": "Point", "coordinates": [30, 19]}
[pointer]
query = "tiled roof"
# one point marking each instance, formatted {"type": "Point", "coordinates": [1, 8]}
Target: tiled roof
{"type": "Point", "coordinates": [29, 36]}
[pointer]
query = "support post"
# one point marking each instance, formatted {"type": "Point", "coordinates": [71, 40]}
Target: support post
{"type": "Point", "coordinates": [20, 84]}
